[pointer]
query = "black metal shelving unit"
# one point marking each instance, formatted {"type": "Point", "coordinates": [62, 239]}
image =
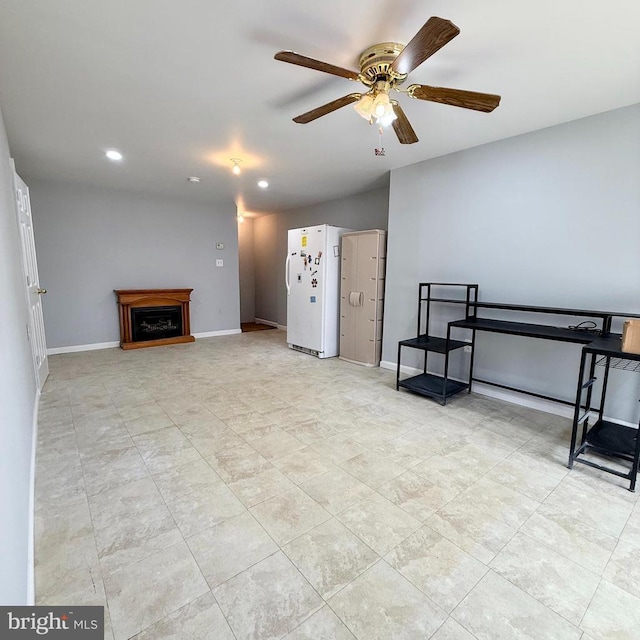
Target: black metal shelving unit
{"type": "Point", "coordinates": [439, 387]}
{"type": "Point", "coordinates": [605, 438]}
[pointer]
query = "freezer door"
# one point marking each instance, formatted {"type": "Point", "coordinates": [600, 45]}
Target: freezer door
{"type": "Point", "coordinates": [305, 300]}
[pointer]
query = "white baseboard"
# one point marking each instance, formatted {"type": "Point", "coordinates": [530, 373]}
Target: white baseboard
{"type": "Point", "coordinates": [521, 399]}
{"type": "Point", "coordinates": [269, 323]}
{"type": "Point", "coordinates": [110, 345]}
{"type": "Point", "coordinates": [82, 347]}
{"type": "Point", "coordinates": [31, 559]}
{"type": "Point", "coordinates": [282, 327]}
{"type": "Point", "coordinates": [213, 334]}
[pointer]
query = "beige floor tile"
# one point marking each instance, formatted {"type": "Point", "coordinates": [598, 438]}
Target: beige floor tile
{"type": "Point", "coordinates": [60, 481]}
{"type": "Point", "coordinates": [631, 531]}
{"type": "Point", "coordinates": [329, 557]}
{"type": "Point", "coordinates": [613, 613]}
{"type": "Point", "coordinates": [381, 604]}
{"type": "Point", "coordinates": [230, 547]}
{"type": "Point", "coordinates": [379, 523]}
{"type": "Point", "coordinates": [516, 472]}
{"type": "Point", "coordinates": [111, 468]}
{"type": "Point", "coordinates": [595, 508]}
{"type": "Point", "coordinates": [403, 452]}
{"type": "Point", "coordinates": [164, 449]}
{"type": "Point", "coordinates": [210, 443]}
{"type": "Point", "coordinates": [261, 487]}
{"type": "Point", "coordinates": [289, 515]}
{"type": "Point", "coordinates": [153, 422]}
{"type": "Point", "coordinates": [323, 625]}
{"type": "Point", "coordinates": [259, 431]}
{"type": "Point", "coordinates": [550, 577]}
{"type": "Point", "coordinates": [178, 481]}
{"type": "Point", "coordinates": [498, 610]}
{"type": "Point", "coordinates": [336, 490]}
{"type": "Point", "coordinates": [201, 619]}
{"type": "Point", "coordinates": [584, 544]}
{"type": "Point", "coordinates": [268, 600]}
{"type": "Point", "coordinates": [131, 522]}
{"type": "Point", "coordinates": [238, 462]}
{"type": "Point", "coordinates": [437, 567]}
{"type": "Point", "coordinates": [277, 445]}
{"type": "Point", "coordinates": [417, 495]}
{"type": "Point", "coordinates": [143, 593]}
{"type": "Point", "coordinates": [311, 431]}
{"type": "Point", "coordinates": [203, 508]}
{"type": "Point", "coordinates": [451, 630]}
{"type": "Point", "coordinates": [483, 519]}
{"type": "Point", "coordinates": [245, 422]}
{"type": "Point", "coordinates": [303, 465]}
{"type": "Point", "coordinates": [372, 469]}
{"type": "Point", "coordinates": [64, 544]}
{"type": "Point", "coordinates": [338, 448]}
{"type": "Point", "coordinates": [623, 569]}
{"type": "Point", "coordinates": [141, 410]}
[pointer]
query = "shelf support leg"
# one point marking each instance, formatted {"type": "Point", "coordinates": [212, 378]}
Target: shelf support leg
{"type": "Point", "coordinates": [576, 412]}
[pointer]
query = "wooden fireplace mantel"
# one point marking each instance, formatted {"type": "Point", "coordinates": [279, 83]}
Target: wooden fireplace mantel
{"type": "Point", "coordinates": [132, 298]}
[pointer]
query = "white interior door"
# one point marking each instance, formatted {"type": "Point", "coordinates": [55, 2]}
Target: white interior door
{"type": "Point", "coordinates": [34, 292]}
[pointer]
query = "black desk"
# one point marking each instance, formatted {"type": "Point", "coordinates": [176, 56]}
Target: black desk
{"type": "Point", "coordinates": [605, 438]}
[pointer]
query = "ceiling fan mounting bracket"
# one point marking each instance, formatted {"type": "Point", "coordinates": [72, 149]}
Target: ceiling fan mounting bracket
{"type": "Point", "coordinates": [375, 64]}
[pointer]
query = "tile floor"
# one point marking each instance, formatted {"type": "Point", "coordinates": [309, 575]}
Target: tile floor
{"type": "Point", "coordinates": [235, 489]}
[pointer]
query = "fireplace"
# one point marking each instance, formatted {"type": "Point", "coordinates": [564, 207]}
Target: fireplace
{"type": "Point", "coordinates": [153, 317]}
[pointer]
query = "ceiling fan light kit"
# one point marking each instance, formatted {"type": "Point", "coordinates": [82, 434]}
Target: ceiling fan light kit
{"type": "Point", "coordinates": [383, 68]}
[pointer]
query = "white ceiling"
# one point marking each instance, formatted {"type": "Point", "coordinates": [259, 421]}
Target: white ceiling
{"type": "Point", "coordinates": [181, 87]}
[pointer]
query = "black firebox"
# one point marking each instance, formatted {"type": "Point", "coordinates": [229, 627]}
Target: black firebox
{"type": "Point", "coordinates": [154, 323]}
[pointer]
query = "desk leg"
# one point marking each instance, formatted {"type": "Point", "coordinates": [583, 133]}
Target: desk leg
{"type": "Point", "coordinates": [473, 354]}
{"type": "Point", "coordinates": [585, 424]}
{"type": "Point", "coordinates": [576, 413]}
{"type": "Point", "coordinates": [398, 369]}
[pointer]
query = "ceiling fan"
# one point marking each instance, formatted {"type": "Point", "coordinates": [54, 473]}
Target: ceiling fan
{"type": "Point", "coordinates": [383, 68]}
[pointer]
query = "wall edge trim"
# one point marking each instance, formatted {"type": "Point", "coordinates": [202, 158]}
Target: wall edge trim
{"type": "Point", "coordinates": [213, 334]}
{"type": "Point", "coordinates": [31, 554]}
{"type": "Point", "coordinates": [82, 347]}
{"type": "Point", "coordinates": [513, 397]}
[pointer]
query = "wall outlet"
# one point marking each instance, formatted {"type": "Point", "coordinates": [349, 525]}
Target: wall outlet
{"type": "Point", "coordinates": [219, 245]}
{"type": "Point", "coordinates": [219, 263]}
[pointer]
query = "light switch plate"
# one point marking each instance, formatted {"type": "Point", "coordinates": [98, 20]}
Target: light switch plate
{"type": "Point", "coordinates": [219, 262]}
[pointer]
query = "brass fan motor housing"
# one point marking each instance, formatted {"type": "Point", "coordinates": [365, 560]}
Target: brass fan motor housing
{"type": "Point", "coordinates": [375, 64]}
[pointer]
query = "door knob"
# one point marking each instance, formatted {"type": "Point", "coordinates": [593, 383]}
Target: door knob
{"type": "Point", "coordinates": [41, 291]}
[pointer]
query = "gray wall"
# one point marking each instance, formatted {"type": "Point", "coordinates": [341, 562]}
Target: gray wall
{"type": "Point", "coordinates": [361, 211]}
{"type": "Point", "coordinates": [547, 218]}
{"type": "Point", "coordinates": [17, 398]}
{"type": "Point", "coordinates": [91, 241]}
{"type": "Point", "coordinates": [246, 270]}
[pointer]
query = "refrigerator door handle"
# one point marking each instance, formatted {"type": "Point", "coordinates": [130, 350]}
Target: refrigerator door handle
{"type": "Point", "coordinates": [287, 279]}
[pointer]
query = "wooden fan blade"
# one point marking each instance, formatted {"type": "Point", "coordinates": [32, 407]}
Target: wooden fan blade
{"type": "Point", "coordinates": [318, 65]}
{"type": "Point", "coordinates": [486, 102]}
{"type": "Point", "coordinates": [402, 126]}
{"type": "Point", "coordinates": [435, 33]}
{"type": "Point", "coordinates": [327, 108]}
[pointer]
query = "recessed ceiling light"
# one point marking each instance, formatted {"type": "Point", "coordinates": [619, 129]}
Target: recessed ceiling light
{"type": "Point", "coordinates": [112, 154]}
{"type": "Point", "coordinates": [193, 179]}
{"type": "Point", "coordinates": [263, 184]}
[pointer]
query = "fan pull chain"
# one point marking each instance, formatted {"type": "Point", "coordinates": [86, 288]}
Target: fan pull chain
{"type": "Point", "coordinates": [379, 151]}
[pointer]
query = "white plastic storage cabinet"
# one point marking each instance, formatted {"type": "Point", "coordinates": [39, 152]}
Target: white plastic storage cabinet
{"type": "Point", "coordinates": [362, 296]}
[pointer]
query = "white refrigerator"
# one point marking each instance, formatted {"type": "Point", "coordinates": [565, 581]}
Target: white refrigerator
{"type": "Point", "coordinates": [312, 277]}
